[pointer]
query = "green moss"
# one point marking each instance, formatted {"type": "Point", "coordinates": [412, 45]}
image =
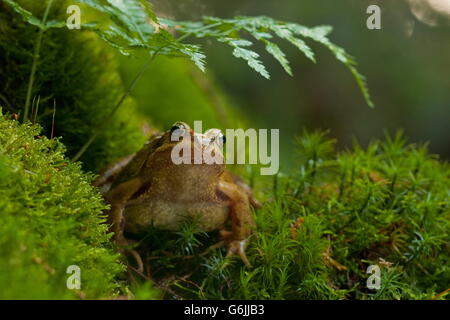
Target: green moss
{"type": "Point", "coordinates": [323, 225]}
{"type": "Point", "coordinates": [50, 218]}
{"type": "Point", "coordinates": [390, 202]}
{"type": "Point", "coordinates": [76, 73]}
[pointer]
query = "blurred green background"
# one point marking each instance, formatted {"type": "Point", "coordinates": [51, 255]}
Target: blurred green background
{"type": "Point", "coordinates": [406, 64]}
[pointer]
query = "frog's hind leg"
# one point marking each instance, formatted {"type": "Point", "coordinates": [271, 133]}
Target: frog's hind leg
{"type": "Point", "coordinates": [251, 198]}
{"type": "Point", "coordinates": [231, 177]}
{"type": "Point", "coordinates": [242, 222]}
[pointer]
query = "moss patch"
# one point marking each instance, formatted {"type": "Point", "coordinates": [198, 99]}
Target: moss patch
{"type": "Point", "coordinates": [322, 226]}
{"type": "Point", "coordinates": [50, 218]}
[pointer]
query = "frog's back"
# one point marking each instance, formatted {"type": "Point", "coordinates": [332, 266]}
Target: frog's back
{"type": "Point", "coordinates": [133, 168]}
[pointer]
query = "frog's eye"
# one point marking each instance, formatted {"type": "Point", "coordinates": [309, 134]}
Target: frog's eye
{"type": "Point", "coordinates": [220, 138]}
{"type": "Point", "coordinates": [178, 130]}
{"type": "Point", "coordinates": [179, 126]}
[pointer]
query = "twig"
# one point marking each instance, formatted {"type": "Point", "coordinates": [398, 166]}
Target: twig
{"type": "Point", "coordinates": [117, 106]}
{"type": "Point", "coordinates": [37, 51]}
{"type": "Point", "coordinates": [53, 119]}
{"type": "Point", "coordinates": [139, 273]}
{"type": "Point", "coordinates": [36, 110]}
{"type": "Point", "coordinates": [444, 293]}
{"type": "Point", "coordinates": [201, 254]}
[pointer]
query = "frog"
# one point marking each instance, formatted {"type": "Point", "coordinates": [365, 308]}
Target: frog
{"type": "Point", "coordinates": [149, 188]}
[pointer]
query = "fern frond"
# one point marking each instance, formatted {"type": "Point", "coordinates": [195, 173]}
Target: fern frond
{"type": "Point", "coordinates": [28, 17]}
{"type": "Point", "coordinates": [276, 52]}
{"type": "Point", "coordinates": [131, 28]}
{"type": "Point", "coordinates": [262, 29]}
{"type": "Point", "coordinates": [25, 14]}
{"type": "Point", "coordinates": [194, 53]}
{"type": "Point", "coordinates": [250, 56]}
{"type": "Point", "coordinates": [130, 19]}
{"type": "Point", "coordinates": [319, 34]}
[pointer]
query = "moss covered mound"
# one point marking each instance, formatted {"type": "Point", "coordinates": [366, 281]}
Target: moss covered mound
{"type": "Point", "coordinates": [50, 218]}
{"type": "Point", "coordinates": [77, 81]}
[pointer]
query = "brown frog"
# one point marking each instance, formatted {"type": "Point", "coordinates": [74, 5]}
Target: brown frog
{"type": "Point", "coordinates": [149, 189]}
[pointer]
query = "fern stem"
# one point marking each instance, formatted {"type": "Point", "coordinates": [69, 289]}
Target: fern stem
{"type": "Point", "coordinates": [127, 93]}
{"type": "Point", "coordinates": [117, 106]}
{"type": "Point", "coordinates": [37, 50]}
{"type": "Point", "coordinates": [209, 26]}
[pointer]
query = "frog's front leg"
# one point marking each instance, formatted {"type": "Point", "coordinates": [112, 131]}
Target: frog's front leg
{"type": "Point", "coordinates": [242, 222]}
{"type": "Point", "coordinates": [118, 197]}
{"type": "Point", "coordinates": [110, 173]}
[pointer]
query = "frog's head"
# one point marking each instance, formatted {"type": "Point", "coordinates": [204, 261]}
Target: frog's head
{"type": "Point", "coordinates": [190, 152]}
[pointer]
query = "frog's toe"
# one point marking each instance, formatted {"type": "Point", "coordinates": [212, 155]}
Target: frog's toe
{"type": "Point", "coordinates": [237, 248]}
{"type": "Point", "coordinates": [125, 249]}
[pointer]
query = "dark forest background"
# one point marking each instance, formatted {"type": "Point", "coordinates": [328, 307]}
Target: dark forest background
{"type": "Point", "coordinates": [406, 64]}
